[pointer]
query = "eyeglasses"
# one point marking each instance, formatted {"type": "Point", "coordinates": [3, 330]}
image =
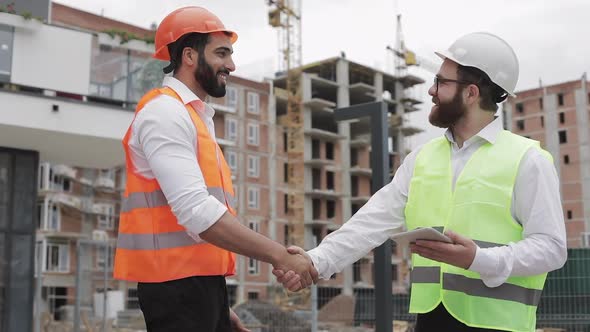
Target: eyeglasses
{"type": "Point", "coordinates": [438, 80]}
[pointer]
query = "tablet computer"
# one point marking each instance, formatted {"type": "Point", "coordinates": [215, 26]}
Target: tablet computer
{"type": "Point", "coordinates": [426, 233]}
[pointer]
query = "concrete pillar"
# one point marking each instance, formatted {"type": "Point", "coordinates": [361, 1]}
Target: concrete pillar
{"type": "Point", "coordinates": [551, 129]}
{"type": "Point", "coordinates": [399, 107]}
{"type": "Point", "coordinates": [241, 194]}
{"type": "Point", "coordinates": [344, 130]}
{"type": "Point", "coordinates": [583, 127]}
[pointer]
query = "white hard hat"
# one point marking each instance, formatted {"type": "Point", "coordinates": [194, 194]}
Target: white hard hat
{"type": "Point", "coordinates": [488, 53]}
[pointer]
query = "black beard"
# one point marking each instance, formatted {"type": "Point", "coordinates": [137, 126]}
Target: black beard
{"type": "Point", "coordinates": [447, 114]}
{"type": "Point", "coordinates": [207, 78]}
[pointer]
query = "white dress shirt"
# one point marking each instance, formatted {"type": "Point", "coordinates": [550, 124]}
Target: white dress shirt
{"type": "Point", "coordinates": [536, 205]}
{"type": "Point", "coordinates": [163, 146]}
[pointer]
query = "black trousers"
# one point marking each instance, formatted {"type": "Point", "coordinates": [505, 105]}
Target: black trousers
{"type": "Point", "coordinates": [439, 320]}
{"type": "Point", "coordinates": [185, 305]}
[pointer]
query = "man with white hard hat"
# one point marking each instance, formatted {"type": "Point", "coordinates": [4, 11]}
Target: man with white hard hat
{"type": "Point", "coordinates": [493, 193]}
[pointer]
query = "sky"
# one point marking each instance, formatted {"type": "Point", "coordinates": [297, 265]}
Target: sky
{"type": "Point", "coordinates": [549, 37]}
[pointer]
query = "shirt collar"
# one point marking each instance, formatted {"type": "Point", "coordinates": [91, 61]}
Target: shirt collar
{"type": "Point", "coordinates": [187, 96]}
{"type": "Point", "coordinates": [489, 133]}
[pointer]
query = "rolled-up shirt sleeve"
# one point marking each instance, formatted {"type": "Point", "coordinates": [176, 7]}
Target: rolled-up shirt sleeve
{"type": "Point", "coordinates": [167, 137]}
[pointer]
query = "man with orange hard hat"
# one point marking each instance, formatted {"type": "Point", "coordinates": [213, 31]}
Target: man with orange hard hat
{"type": "Point", "coordinates": [178, 228]}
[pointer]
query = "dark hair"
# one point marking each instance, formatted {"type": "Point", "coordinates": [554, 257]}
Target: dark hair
{"type": "Point", "coordinates": [490, 93]}
{"type": "Point", "coordinates": [194, 40]}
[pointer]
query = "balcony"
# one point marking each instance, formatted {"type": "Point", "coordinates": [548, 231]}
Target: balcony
{"type": "Point", "coordinates": [356, 170]}
{"type": "Point", "coordinates": [78, 118]}
{"type": "Point", "coordinates": [322, 193]}
{"type": "Point", "coordinates": [223, 108]}
{"type": "Point", "coordinates": [323, 134]}
{"type": "Point", "coordinates": [320, 105]}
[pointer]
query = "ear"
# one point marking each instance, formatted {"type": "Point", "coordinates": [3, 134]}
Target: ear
{"type": "Point", "coordinates": [472, 93]}
{"type": "Point", "coordinates": [190, 57]}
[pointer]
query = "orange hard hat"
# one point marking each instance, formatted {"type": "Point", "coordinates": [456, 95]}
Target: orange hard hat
{"type": "Point", "coordinates": [186, 20]}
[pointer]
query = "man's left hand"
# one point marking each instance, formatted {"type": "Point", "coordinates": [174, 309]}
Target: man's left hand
{"type": "Point", "coordinates": [460, 253]}
{"type": "Point", "coordinates": [236, 323]}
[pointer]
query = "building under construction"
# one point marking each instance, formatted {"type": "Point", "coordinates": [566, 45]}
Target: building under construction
{"type": "Point", "coordinates": [61, 126]}
{"type": "Point", "coordinates": [557, 116]}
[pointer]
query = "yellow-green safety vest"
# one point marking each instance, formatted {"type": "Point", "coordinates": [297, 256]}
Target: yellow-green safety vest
{"type": "Point", "coordinates": [478, 208]}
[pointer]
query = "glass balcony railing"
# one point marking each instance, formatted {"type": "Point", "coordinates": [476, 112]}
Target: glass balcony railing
{"type": "Point", "coordinates": [122, 74]}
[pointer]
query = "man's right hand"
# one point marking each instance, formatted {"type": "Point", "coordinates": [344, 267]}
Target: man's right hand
{"type": "Point", "coordinates": [292, 279]}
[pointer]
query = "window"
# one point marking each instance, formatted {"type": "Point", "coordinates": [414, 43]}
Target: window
{"type": "Point", "coordinates": [316, 235]}
{"type": "Point", "coordinates": [354, 157]}
{"type": "Point", "coordinates": [231, 129]}
{"type": "Point", "coordinates": [107, 173]}
{"type": "Point", "coordinates": [330, 180]}
{"type": "Point", "coordinates": [286, 203]}
{"type": "Point", "coordinates": [315, 149]}
{"type": "Point", "coordinates": [520, 107]}
{"type": "Point", "coordinates": [562, 137]}
{"type": "Point", "coordinates": [356, 271]}
{"type": "Point", "coordinates": [566, 159]}
{"type": "Point", "coordinates": [330, 209]}
{"type": "Point", "coordinates": [542, 121]}
{"type": "Point", "coordinates": [6, 40]}
{"type": "Point", "coordinates": [560, 99]}
{"type": "Point", "coordinates": [102, 257]}
{"type": "Point", "coordinates": [354, 186]}
{"type": "Point", "coordinates": [44, 176]}
{"type": "Point", "coordinates": [316, 177]}
{"type": "Point", "coordinates": [132, 299]}
{"type": "Point", "coordinates": [354, 208]}
{"type": "Point", "coordinates": [329, 150]}
{"type": "Point", "coordinates": [57, 258]}
{"type": "Point", "coordinates": [316, 208]}
{"type": "Point", "coordinates": [285, 172]}
{"type": "Point", "coordinates": [231, 97]}
{"type": "Point", "coordinates": [106, 216]}
{"type": "Point", "coordinates": [253, 134]}
{"type": "Point", "coordinates": [285, 140]}
{"type": "Point", "coordinates": [232, 160]}
{"type": "Point", "coordinates": [49, 215]}
{"type": "Point", "coordinates": [541, 103]}
{"type": "Point", "coordinates": [253, 265]}
{"type": "Point", "coordinates": [520, 124]}
{"type": "Point", "coordinates": [253, 198]}
{"type": "Point", "coordinates": [569, 214]}
{"type": "Point", "coordinates": [286, 234]}
{"type": "Point", "coordinates": [252, 296]}
{"type": "Point", "coordinates": [253, 166]}
{"type": "Point", "coordinates": [253, 103]}
{"type": "Point", "coordinates": [561, 117]}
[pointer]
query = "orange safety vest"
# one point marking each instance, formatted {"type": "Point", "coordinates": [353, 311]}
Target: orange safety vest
{"type": "Point", "coordinates": [152, 246]}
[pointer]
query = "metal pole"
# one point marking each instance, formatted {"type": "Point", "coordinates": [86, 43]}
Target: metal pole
{"type": "Point", "coordinates": [377, 111]}
{"type": "Point", "coordinates": [78, 288]}
{"type": "Point", "coordinates": [382, 255]}
{"type": "Point", "coordinates": [314, 300]}
{"type": "Point", "coordinates": [104, 302]}
{"type": "Point", "coordinates": [38, 287]}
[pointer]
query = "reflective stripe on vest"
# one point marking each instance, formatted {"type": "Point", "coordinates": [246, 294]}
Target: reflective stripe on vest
{"type": "Point", "coordinates": [152, 246]}
{"type": "Point", "coordinates": [139, 200]}
{"type": "Point", "coordinates": [475, 287]}
{"type": "Point", "coordinates": [478, 206]}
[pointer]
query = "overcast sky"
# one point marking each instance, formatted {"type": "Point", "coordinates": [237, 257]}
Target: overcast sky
{"type": "Point", "coordinates": [549, 37]}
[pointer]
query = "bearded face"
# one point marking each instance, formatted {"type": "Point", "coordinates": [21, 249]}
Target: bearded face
{"type": "Point", "coordinates": [446, 114]}
{"type": "Point", "coordinates": [213, 82]}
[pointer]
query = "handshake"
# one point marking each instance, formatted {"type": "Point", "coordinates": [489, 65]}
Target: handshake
{"type": "Point", "coordinates": [294, 269]}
